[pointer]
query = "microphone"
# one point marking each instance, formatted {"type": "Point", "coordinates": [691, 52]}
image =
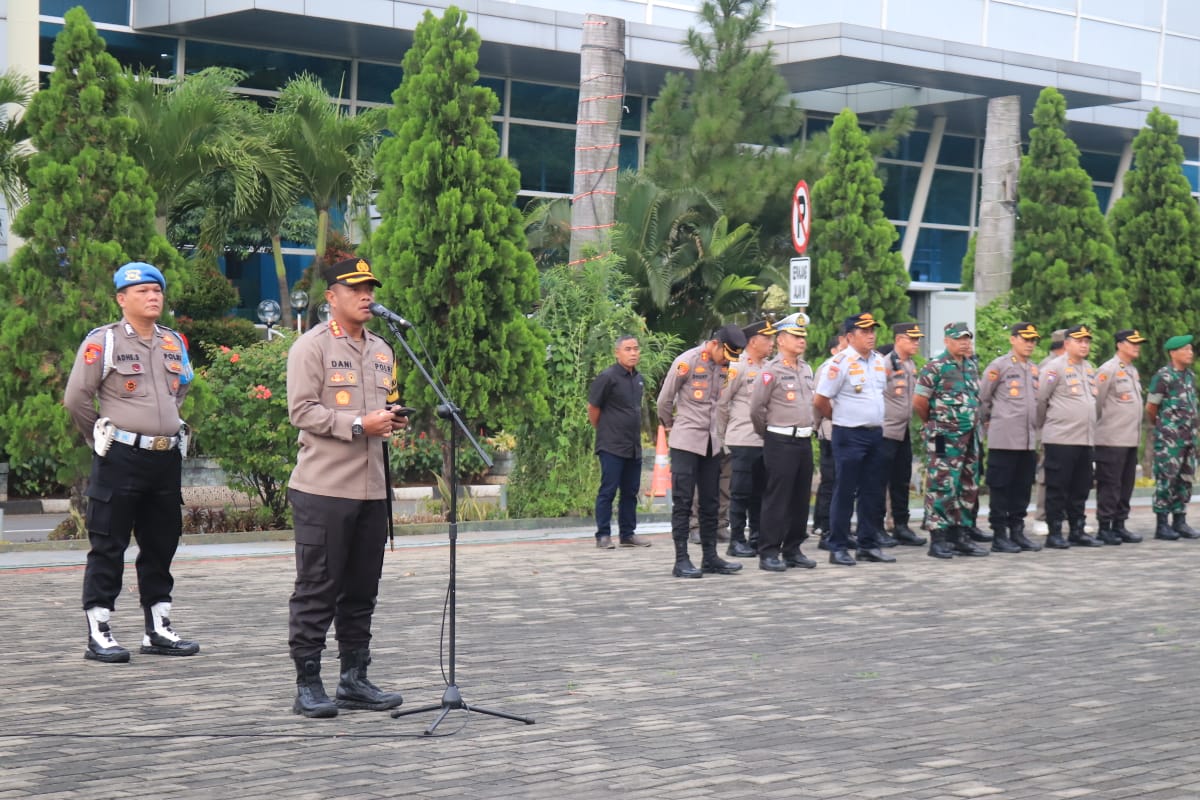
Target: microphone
{"type": "Point", "coordinates": [382, 311]}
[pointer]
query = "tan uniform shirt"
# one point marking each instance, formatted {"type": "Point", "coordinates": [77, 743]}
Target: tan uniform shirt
{"type": "Point", "coordinates": [1067, 402]}
{"type": "Point", "coordinates": [1008, 403]}
{"type": "Point", "coordinates": [783, 395]}
{"type": "Point", "coordinates": [687, 403]}
{"type": "Point", "coordinates": [733, 406]}
{"type": "Point", "coordinates": [1118, 404]}
{"type": "Point", "coordinates": [897, 397]}
{"type": "Point", "coordinates": [145, 385]}
{"type": "Point", "coordinates": [331, 379]}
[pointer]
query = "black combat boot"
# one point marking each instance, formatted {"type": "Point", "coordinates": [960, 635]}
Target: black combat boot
{"type": "Point", "coordinates": [1181, 527]}
{"type": "Point", "coordinates": [738, 547]}
{"type": "Point", "coordinates": [976, 535]}
{"type": "Point", "coordinates": [1055, 540]}
{"type": "Point", "coordinates": [355, 690]}
{"type": "Point", "coordinates": [961, 540]}
{"type": "Point", "coordinates": [1016, 532]}
{"type": "Point", "coordinates": [1127, 536]}
{"type": "Point", "coordinates": [906, 535]}
{"type": "Point", "coordinates": [1000, 541]}
{"type": "Point", "coordinates": [885, 540]}
{"type": "Point", "coordinates": [101, 645]}
{"type": "Point", "coordinates": [311, 700]}
{"type": "Point", "coordinates": [1163, 529]}
{"type": "Point", "coordinates": [160, 638]}
{"type": "Point", "coordinates": [684, 568]}
{"type": "Point", "coordinates": [938, 547]}
{"type": "Point", "coordinates": [1106, 534]}
{"type": "Point", "coordinates": [1078, 537]}
{"type": "Point", "coordinates": [714, 564]}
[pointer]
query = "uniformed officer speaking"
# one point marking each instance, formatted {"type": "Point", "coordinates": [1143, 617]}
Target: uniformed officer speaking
{"type": "Point", "coordinates": [782, 414]}
{"type": "Point", "coordinates": [687, 408]}
{"type": "Point", "coordinates": [1008, 408]}
{"type": "Point", "coordinates": [340, 381]}
{"type": "Point", "coordinates": [1118, 433]}
{"type": "Point", "coordinates": [851, 394]}
{"type": "Point", "coordinates": [138, 373]}
{"type": "Point", "coordinates": [1067, 417]}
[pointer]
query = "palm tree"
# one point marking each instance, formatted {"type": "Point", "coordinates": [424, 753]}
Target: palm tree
{"type": "Point", "coordinates": [334, 151]}
{"type": "Point", "coordinates": [689, 270]}
{"type": "Point", "coordinates": [16, 89]}
{"type": "Point", "coordinates": [194, 127]}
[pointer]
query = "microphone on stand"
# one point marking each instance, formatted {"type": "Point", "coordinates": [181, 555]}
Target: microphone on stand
{"type": "Point", "coordinates": [384, 313]}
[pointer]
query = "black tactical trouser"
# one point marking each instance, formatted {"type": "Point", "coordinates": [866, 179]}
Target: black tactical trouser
{"type": "Point", "coordinates": [132, 491]}
{"type": "Point", "coordinates": [786, 499]}
{"type": "Point", "coordinates": [339, 558]}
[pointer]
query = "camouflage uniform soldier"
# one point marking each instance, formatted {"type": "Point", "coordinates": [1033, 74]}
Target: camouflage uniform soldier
{"type": "Point", "coordinates": [947, 401]}
{"type": "Point", "coordinates": [1171, 408]}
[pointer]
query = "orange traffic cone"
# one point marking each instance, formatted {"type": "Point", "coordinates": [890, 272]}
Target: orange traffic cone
{"type": "Point", "coordinates": [660, 483]}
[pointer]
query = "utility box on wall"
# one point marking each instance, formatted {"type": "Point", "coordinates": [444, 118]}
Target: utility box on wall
{"type": "Point", "coordinates": [935, 310]}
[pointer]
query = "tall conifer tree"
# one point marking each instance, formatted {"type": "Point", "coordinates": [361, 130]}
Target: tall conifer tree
{"type": "Point", "coordinates": [1064, 265]}
{"type": "Point", "coordinates": [90, 210]}
{"type": "Point", "coordinates": [1156, 225]}
{"type": "Point", "coordinates": [853, 266]}
{"type": "Point", "coordinates": [451, 244]}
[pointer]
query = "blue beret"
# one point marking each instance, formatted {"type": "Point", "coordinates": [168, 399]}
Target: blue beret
{"type": "Point", "coordinates": [138, 272]}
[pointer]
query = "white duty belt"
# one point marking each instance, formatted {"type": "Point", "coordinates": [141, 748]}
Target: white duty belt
{"type": "Point", "coordinates": [157, 443]}
{"type": "Point", "coordinates": [798, 433]}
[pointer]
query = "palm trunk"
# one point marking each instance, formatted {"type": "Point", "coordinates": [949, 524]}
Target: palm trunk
{"type": "Point", "coordinates": [998, 201]}
{"type": "Point", "coordinates": [598, 134]}
{"type": "Point", "coordinates": [281, 276]}
{"type": "Point", "coordinates": [316, 286]}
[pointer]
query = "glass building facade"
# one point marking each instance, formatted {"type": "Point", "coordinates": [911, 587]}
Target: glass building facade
{"type": "Point", "coordinates": [944, 58]}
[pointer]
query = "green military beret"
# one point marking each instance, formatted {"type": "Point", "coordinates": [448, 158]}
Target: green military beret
{"type": "Point", "coordinates": [1176, 342]}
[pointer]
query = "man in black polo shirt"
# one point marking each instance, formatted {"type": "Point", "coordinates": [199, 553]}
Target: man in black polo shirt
{"type": "Point", "coordinates": [615, 411]}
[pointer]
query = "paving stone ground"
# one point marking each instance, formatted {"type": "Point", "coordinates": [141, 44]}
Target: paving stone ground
{"type": "Point", "coordinates": [1049, 675]}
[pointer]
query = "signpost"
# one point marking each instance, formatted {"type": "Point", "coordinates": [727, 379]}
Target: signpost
{"type": "Point", "coordinates": [799, 282]}
{"type": "Point", "coordinates": [801, 217]}
{"type": "Point", "coordinates": [801, 268]}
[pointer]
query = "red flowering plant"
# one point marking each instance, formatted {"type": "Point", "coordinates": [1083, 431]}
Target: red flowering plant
{"type": "Point", "coordinates": [245, 427]}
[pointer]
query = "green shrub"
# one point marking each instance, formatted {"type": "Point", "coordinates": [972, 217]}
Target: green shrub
{"type": "Point", "coordinates": [246, 426]}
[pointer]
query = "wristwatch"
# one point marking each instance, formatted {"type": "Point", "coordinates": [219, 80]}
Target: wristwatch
{"type": "Point", "coordinates": [356, 427]}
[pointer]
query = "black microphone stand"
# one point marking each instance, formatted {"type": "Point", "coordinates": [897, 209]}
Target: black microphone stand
{"type": "Point", "coordinates": [452, 698]}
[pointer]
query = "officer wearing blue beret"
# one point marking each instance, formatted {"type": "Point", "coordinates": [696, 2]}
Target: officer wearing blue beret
{"type": "Point", "coordinates": [127, 384]}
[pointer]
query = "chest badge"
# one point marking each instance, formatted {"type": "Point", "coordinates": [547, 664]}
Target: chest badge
{"type": "Point", "coordinates": [342, 398]}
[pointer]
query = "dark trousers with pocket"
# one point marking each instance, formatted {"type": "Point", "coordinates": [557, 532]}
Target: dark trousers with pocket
{"type": "Point", "coordinates": [746, 486]}
{"type": "Point", "coordinates": [698, 477]}
{"type": "Point", "coordinates": [1116, 469]}
{"type": "Point", "coordinates": [785, 502]}
{"type": "Point", "coordinates": [857, 452]}
{"type": "Point", "coordinates": [1010, 475]}
{"type": "Point", "coordinates": [132, 492]}
{"type": "Point", "coordinates": [825, 488]}
{"type": "Point", "coordinates": [896, 472]}
{"type": "Point", "coordinates": [339, 558]}
{"type": "Point", "coordinates": [1068, 481]}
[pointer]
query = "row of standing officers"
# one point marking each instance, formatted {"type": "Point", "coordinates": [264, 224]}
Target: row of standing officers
{"type": "Point", "coordinates": [764, 414]}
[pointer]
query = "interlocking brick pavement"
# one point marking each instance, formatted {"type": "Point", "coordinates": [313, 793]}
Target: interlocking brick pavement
{"type": "Point", "coordinates": [1048, 675]}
